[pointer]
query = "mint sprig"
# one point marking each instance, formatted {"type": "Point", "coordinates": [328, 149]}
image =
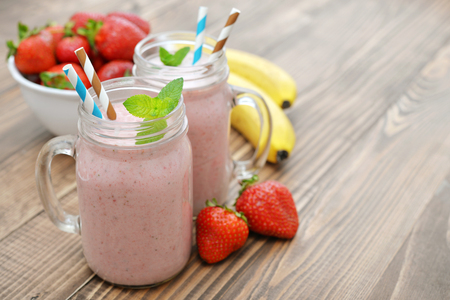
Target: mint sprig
{"type": "Point", "coordinates": [175, 59]}
{"type": "Point", "coordinates": [155, 127]}
{"type": "Point", "coordinates": [144, 106]}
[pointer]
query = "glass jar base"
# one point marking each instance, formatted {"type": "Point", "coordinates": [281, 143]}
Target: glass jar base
{"type": "Point", "coordinates": [141, 287]}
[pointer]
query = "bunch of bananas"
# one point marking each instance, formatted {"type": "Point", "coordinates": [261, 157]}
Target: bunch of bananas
{"type": "Point", "coordinates": [278, 90]}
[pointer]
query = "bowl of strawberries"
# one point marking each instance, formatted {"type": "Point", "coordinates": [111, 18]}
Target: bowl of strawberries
{"type": "Point", "coordinates": [36, 61]}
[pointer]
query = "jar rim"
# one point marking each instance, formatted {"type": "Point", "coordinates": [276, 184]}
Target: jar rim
{"type": "Point", "coordinates": [98, 130]}
{"type": "Point", "coordinates": [202, 74]}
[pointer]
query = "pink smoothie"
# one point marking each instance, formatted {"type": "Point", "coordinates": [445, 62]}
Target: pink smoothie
{"type": "Point", "coordinates": [208, 111]}
{"type": "Point", "coordinates": [135, 209]}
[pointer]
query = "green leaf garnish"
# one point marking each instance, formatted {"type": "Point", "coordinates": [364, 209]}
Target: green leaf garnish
{"type": "Point", "coordinates": [153, 128]}
{"type": "Point", "coordinates": [175, 59]}
{"type": "Point", "coordinates": [144, 106]}
{"type": "Point", "coordinates": [172, 90]}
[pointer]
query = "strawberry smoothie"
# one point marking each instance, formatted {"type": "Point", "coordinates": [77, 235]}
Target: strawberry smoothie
{"type": "Point", "coordinates": [135, 206]}
{"type": "Point", "coordinates": [208, 112]}
{"type": "Point", "coordinates": [208, 109]}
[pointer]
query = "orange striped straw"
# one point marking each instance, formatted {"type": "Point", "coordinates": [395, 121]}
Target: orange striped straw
{"type": "Point", "coordinates": [96, 84]}
{"type": "Point", "coordinates": [224, 34]}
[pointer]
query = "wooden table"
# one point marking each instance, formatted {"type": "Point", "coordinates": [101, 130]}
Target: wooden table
{"type": "Point", "coordinates": [369, 173]}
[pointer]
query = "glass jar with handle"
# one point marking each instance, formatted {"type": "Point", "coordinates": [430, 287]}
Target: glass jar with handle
{"type": "Point", "coordinates": [209, 100]}
{"type": "Point", "coordinates": [134, 184]}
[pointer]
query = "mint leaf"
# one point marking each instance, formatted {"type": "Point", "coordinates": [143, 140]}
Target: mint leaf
{"type": "Point", "coordinates": [172, 90]}
{"type": "Point", "coordinates": [164, 56]}
{"type": "Point", "coordinates": [154, 128]}
{"type": "Point", "coordinates": [144, 106]}
{"type": "Point", "coordinates": [180, 55]}
{"type": "Point", "coordinates": [173, 60]}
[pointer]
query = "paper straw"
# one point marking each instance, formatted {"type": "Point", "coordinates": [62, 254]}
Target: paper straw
{"type": "Point", "coordinates": [89, 104]}
{"type": "Point", "coordinates": [224, 34]}
{"type": "Point", "coordinates": [96, 84]}
{"type": "Point", "coordinates": [199, 39]}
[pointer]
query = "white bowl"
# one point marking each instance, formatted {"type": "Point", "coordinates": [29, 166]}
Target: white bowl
{"type": "Point", "coordinates": [55, 108]}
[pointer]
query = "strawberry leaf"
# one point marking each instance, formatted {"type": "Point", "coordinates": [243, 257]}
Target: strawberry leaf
{"type": "Point", "coordinates": [246, 183]}
{"type": "Point", "coordinates": [68, 29]}
{"type": "Point", "coordinates": [12, 49]}
{"type": "Point", "coordinates": [91, 30]}
{"type": "Point", "coordinates": [23, 31]}
{"type": "Point", "coordinates": [127, 73]}
{"type": "Point", "coordinates": [55, 80]}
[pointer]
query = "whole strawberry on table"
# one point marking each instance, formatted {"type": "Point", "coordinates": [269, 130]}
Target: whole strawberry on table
{"type": "Point", "coordinates": [109, 41]}
{"type": "Point", "coordinates": [266, 208]}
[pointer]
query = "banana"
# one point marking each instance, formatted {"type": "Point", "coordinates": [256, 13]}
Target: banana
{"type": "Point", "coordinates": [278, 84]}
{"type": "Point", "coordinates": [246, 120]}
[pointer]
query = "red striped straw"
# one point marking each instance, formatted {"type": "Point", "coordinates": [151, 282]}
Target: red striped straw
{"type": "Point", "coordinates": [96, 84]}
{"type": "Point", "coordinates": [224, 34]}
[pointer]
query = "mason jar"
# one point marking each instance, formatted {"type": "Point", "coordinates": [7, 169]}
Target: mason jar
{"type": "Point", "coordinates": [209, 100]}
{"type": "Point", "coordinates": [134, 189]}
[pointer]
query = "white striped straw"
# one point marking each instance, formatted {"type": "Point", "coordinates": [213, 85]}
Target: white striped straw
{"type": "Point", "coordinates": [95, 81]}
{"type": "Point", "coordinates": [200, 38]}
{"type": "Point", "coordinates": [89, 104]}
{"type": "Point", "coordinates": [224, 34]}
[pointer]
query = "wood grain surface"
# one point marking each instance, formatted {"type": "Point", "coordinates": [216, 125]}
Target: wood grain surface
{"type": "Point", "coordinates": [370, 172]}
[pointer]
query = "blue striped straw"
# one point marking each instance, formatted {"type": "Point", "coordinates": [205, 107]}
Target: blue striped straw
{"type": "Point", "coordinates": [89, 104]}
{"type": "Point", "coordinates": [199, 39]}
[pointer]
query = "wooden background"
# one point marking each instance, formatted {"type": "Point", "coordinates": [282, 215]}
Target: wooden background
{"type": "Point", "coordinates": [370, 172]}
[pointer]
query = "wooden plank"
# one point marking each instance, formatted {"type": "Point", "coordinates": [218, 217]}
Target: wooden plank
{"type": "Point", "coordinates": [420, 269]}
{"type": "Point", "coordinates": [40, 261]}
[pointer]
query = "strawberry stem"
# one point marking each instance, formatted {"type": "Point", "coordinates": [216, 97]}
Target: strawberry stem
{"type": "Point", "coordinates": [247, 182]}
{"type": "Point", "coordinates": [213, 203]}
{"type": "Point", "coordinates": [12, 49]}
{"type": "Point", "coordinates": [68, 29]}
{"type": "Point", "coordinates": [92, 27]}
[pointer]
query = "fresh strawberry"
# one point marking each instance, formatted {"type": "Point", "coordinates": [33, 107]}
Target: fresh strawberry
{"type": "Point", "coordinates": [55, 77]}
{"type": "Point", "coordinates": [35, 52]}
{"type": "Point", "coordinates": [115, 69]}
{"type": "Point", "coordinates": [269, 208]}
{"type": "Point", "coordinates": [135, 19]}
{"type": "Point", "coordinates": [220, 231]}
{"type": "Point", "coordinates": [57, 32]}
{"type": "Point", "coordinates": [117, 38]}
{"type": "Point", "coordinates": [80, 19]}
{"type": "Point", "coordinates": [66, 47]}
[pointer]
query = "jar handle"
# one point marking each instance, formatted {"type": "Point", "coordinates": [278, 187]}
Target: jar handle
{"type": "Point", "coordinates": [58, 145]}
{"type": "Point", "coordinates": [244, 169]}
